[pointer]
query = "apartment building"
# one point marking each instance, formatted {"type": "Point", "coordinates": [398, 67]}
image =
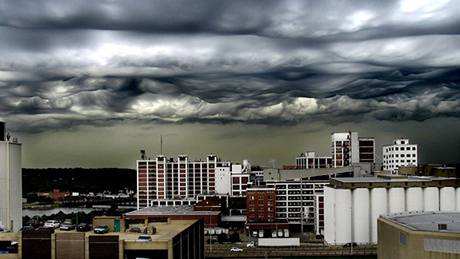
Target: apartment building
{"type": "Point", "coordinates": [400, 153]}
{"type": "Point", "coordinates": [260, 204]}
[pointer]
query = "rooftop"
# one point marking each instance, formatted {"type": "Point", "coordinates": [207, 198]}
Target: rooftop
{"type": "Point", "coordinates": [389, 178]}
{"type": "Point", "coordinates": [428, 221]}
{"type": "Point", "coordinates": [171, 210]}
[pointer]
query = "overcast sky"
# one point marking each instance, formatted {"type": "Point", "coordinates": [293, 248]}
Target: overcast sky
{"type": "Point", "coordinates": [89, 83]}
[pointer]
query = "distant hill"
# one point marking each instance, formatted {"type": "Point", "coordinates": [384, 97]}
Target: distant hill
{"type": "Point", "coordinates": [78, 179]}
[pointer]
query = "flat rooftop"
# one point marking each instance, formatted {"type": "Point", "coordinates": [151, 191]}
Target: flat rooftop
{"type": "Point", "coordinates": [385, 181]}
{"type": "Point", "coordinates": [428, 221]}
{"type": "Point", "coordinates": [171, 210]}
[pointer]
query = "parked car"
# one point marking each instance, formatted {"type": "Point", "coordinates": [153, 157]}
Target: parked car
{"type": "Point", "coordinates": [83, 227]}
{"type": "Point", "coordinates": [353, 244]}
{"type": "Point", "coordinates": [236, 249]}
{"type": "Point", "coordinates": [101, 229]}
{"type": "Point", "coordinates": [27, 228]}
{"type": "Point", "coordinates": [67, 226]}
{"type": "Point", "coordinates": [52, 224]}
{"type": "Point", "coordinates": [134, 230]}
{"type": "Point", "coordinates": [144, 238]}
{"type": "Point", "coordinates": [250, 244]}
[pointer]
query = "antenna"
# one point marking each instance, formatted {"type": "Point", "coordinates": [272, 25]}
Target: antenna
{"type": "Point", "coordinates": [161, 141]}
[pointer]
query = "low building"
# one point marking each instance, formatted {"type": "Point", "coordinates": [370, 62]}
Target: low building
{"type": "Point", "coordinates": [353, 205]}
{"type": "Point", "coordinates": [310, 160]}
{"type": "Point", "coordinates": [419, 235]}
{"type": "Point", "coordinates": [172, 239]}
{"type": "Point", "coordinates": [184, 212]}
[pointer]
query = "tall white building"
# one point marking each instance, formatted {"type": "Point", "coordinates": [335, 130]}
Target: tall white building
{"type": "Point", "coordinates": [348, 148]}
{"type": "Point", "coordinates": [401, 153]}
{"type": "Point", "coordinates": [10, 182]}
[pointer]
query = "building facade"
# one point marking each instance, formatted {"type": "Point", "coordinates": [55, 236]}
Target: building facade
{"type": "Point", "coordinates": [400, 153]}
{"type": "Point", "coordinates": [10, 181]}
{"type": "Point", "coordinates": [296, 201]}
{"type": "Point", "coordinates": [163, 179]}
{"type": "Point", "coordinates": [353, 205]}
{"type": "Point", "coordinates": [348, 148]}
{"type": "Point", "coordinates": [419, 235]}
{"type": "Point", "coordinates": [310, 160]}
{"type": "Point", "coordinates": [260, 205]}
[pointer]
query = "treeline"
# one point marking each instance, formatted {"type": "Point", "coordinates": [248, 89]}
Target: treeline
{"type": "Point", "coordinates": [78, 179]}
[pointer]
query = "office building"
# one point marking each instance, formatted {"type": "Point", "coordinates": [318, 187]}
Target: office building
{"type": "Point", "coordinates": [310, 160]}
{"type": "Point", "coordinates": [400, 153]}
{"type": "Point", "coordinates": [10, 181]}
{"type": "Point", "coordinates": [419, 235]}
{"type": "Point", "coordinates": [163, 179]}
{"type": "Point", "coordinates": [352, 205]}
{"type": "Point", "coordinates": [348, 148]}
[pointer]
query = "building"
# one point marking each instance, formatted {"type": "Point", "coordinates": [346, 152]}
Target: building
{"type": "Point", "coordinates": [260, 205]}
{"type": "Point", "coordinates": [296, 201]}
{"type": "Point", "coordinates": [401, 153]}
{"type": "Point", "coordinates": [211, 218]}
{"type": "Point", "coordinates": [10, 181]}
{"type": "Point", "coordinates": [240, 178]}
{"type": "Point", "coordinates": [348, 148]}
{"type": "Point", "coordinates": [310, 160]}
{"type": "Point", "coordinates": [419, 235]}
{"type": "Point", "coordinates": [169, 239]}
{"type": "Point", "coordinates": [163, 179]}
{"type": "Point", "coordinates": [352, 205]}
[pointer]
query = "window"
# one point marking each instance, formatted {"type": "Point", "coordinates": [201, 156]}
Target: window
{"type": "Point", "coordinates": [396, 148]}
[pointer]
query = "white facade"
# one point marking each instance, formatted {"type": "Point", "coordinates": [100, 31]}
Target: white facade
{"type": "Point", "coordinates": [401, 153]}
{"type": "Point", "coordinates": [367, 204]}
{"type": "Point", "coordinates": [223, 180]}
{"type": "Point", "coordinates": [10, 185]}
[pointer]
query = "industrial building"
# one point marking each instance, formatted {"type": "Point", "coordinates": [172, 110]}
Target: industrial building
{"type": "Point", "coordinates": [170, 239]}
{"type": "Point", "coordinates": [348, 148]}
{"type": "Point", "coordinates": [260, 205]}
{"type": "Point", "coordinates": [10, 181]}
{"type": "Point", "coordinates": [352, 205]}
{"type": "Point", "coordinates": [419, 235]}
{"type": "Point", "coordinates": [400, 153]}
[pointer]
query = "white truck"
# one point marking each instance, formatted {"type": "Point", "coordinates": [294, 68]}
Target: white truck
{"type": "Point", "coordinates": [274, 242]}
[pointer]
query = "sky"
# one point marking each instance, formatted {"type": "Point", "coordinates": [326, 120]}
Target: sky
{"type": "Point", "coordinates": [90, 83]}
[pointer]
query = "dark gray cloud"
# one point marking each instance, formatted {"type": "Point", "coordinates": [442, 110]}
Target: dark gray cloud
{"type": "Point", "coordinates": [65, 64]}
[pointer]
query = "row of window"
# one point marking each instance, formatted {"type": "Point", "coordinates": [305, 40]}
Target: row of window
{"type": "Point", "coordinates": [388, 149]}
{"type": "Point", "coordinates": [402, 155]}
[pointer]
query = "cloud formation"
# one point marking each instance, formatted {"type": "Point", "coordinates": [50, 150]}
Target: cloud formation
{"type": "Point", "coordinates": [65, 64]}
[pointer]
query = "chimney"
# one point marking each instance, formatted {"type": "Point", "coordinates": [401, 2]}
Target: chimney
{"type": "Point", "coordinates": [2, 131]}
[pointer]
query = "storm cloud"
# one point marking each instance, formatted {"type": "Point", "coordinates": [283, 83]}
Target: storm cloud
{"type": "Point", "coordinates": [69, 63]}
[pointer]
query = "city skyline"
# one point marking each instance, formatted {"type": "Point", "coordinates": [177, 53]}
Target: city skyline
{"type": "Point", "coordinates": [90, 84]}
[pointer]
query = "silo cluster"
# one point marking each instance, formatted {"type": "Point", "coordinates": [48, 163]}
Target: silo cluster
{"type": "Point", "coordinates": [351, 214]}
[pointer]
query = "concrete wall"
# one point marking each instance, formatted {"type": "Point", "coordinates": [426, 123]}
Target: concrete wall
{"type": "Point", "coordinates": [397, 242]}
{"type": "Point", "coordinates": [70, 245]}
